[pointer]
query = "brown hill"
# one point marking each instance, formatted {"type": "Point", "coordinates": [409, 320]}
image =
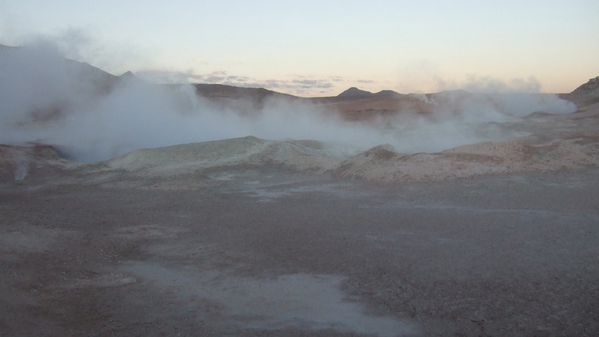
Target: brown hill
{"type": "Point", "coordinates": [354, 92]}
{"type": "Point", "coordinates": [238, 97]}
{"type": "Point", "coordinates": [587, 93]}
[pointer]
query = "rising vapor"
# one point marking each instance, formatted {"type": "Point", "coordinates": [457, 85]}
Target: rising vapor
{"type": "Point", "coordinates": [94, 116]}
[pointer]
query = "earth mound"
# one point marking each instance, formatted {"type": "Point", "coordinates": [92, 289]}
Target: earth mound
{"type": "Point", "coordinates": [237, 152]}
{"type": "Point", "coordinates": [587, 93]}
{"type": "Point", "coordinates": [18, 161]}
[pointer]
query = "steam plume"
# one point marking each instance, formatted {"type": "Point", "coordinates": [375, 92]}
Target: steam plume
{"type": "Point", "coordinates": [47, 99]}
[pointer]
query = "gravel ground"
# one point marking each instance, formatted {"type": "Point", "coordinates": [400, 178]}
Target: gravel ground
{"type": "Point", "coordinates": [274, 253]}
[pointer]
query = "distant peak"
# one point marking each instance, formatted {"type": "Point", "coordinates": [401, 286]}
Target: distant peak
{"type": "Point", "coordinates": [387, 93]}
{"type": "Point", "coordinates": [130, 77]}
{"type": "Point", "coordinates": [355, 92]}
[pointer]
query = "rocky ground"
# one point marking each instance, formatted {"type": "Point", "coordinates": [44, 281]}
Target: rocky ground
{"type": "Point", "coordinates": [493, 234]}
{"type": "Point", "coordinates": [273, 252]}
{"type": "Point", "coordinates": [251, 237]}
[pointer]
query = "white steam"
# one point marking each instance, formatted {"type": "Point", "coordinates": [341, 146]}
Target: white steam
{"type": "Point", "coordinates": [21, 168]}
{"type": "Point", "coordinates": [93, 117]}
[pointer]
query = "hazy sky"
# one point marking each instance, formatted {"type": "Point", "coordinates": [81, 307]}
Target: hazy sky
{"type": "Point", "coordinates": [322, 47]}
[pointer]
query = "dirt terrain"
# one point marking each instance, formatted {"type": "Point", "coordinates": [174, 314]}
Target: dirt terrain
{"type": "Point", "coordinates": [249, 237]}
{"type": "Point", "coordinates": [273, 252]}
{"type": "Point", "coordinates": [288, 237]}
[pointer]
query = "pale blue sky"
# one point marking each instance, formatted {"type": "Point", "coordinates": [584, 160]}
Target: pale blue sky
{"type": "Point", "coordinates": [322, 47]}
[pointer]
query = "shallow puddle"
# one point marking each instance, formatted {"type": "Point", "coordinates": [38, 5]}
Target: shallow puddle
{"type": "Point", "coordinates": [303, 301]}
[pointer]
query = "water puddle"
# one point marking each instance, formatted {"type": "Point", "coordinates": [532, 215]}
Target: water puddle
{"type": "Point", "coordinates": [303, 301]}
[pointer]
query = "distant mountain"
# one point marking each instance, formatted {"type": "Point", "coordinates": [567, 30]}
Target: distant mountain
{"type": "Point", "coordinates": [587, 93]}
{"type": "Point", "coordinates": [95, 80]}
{"type": "Point", "coordinates": [100, 81]}
{"type": "Point", "coordinates": [354, 92]}
{"type": "Point", "coordinates": [65, 86]}
{"type": "Point", "coordinates": [388, 93]}
{"type": "Point", "coordinates": [237, 98]}
{"type": "Point", "coordinates": [128, 74]}
{"type": "Point", "coordinates": [591, 86]}
{"type": "Point", "coordinates": [222, 90]}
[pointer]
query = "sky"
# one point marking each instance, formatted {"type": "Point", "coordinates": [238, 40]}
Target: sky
{"type": "Point", "coordinates": [319, 48]}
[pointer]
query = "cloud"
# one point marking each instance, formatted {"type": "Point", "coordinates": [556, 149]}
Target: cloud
{"type": "Point", "coordinates": [313, 84]}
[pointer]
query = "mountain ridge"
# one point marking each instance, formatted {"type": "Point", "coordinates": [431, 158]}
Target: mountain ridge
{"type": "Point", "coordinates": [104, 81]}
